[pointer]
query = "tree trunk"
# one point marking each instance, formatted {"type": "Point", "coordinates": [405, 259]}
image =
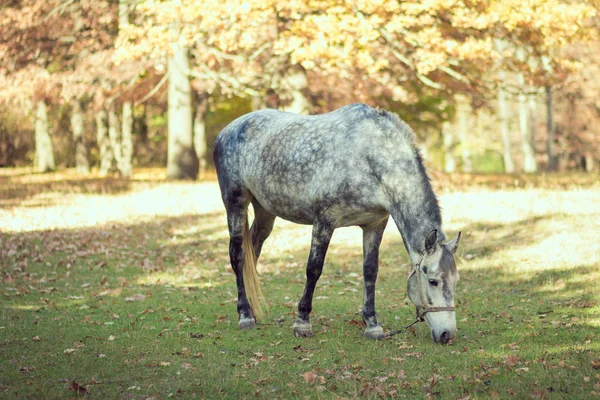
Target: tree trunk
{"type": "Point", "coordinates": [550, 128]}
{"type": "Point", "coordinates": [529, 161]}
{"type": "Point", "coordinates": [200, 145]}
{"type": "Point", "coordinates": [295, 84]}
{"type": "Point", "coordinates": [81, 157]}
{"type": "Point", "coordinates": [509, 165]}
{"type": "Point", "coordinates": [125, 166]}
{"type": "Point", "coordinates": [588, 159]}
{"type": "Point", "coordinates": [182, 162]}
{"type": "Point", "coordinates": [258, 103]}
{"type": "Point", "coordinates": [106, 155]}
{"type": "Point", "coordinates": [124, 160]}
{"type": "Point", "coordinates": [44, 152]}
{"type": "Point", "coordinates": [463, 111]}
{"type": "Point", "coordinates": [114, 134]}
{"type": "Point", "coordinates": [448, 137]}
{"type": "Point", "coordinates": [532, 101]}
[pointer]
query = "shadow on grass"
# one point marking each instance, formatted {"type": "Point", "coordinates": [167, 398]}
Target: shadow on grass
{"type": "Point", "coordinates": [16, 191]}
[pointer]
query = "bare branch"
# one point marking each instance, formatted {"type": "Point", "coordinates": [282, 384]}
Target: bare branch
{"type": "Point", "coordinates": [154, 90]}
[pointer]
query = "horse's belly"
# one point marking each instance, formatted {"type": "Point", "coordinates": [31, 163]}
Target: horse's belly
{"type": "Point", "coordinates": [306, 210]}
{"type": "Point", "coordinates": [284, 203]}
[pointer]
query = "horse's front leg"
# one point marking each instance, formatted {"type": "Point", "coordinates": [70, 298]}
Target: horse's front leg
{"type": "Point", "coordinates": [321, 236]}
{"type": "Point", "coordinates": [372, 236]}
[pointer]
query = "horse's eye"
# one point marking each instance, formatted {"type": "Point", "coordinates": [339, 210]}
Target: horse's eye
{"type": "Point", "coordinates": [433, 282]}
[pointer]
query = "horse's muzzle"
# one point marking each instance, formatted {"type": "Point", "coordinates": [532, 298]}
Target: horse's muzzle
{"type": "Point", "coordinates": [443, 337]}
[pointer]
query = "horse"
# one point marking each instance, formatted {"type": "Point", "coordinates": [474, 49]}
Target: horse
{"type": "Point", "coordinates": [354, 166]}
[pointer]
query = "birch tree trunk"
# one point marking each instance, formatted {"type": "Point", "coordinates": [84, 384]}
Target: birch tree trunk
{"type": "Point", "coordinates": [114, 134]}
{"type": "Point", "coordinates": [295, 84]}
{"type": "Point", "coordinates": [125, 166]}
{"type": "Point", "coordinates": [106, 155]}
{"type": "Point", "coordinates": [124, 161]}
{"type": "Point", "coordinates": [463, 112]}
{"type": "Point", "coordinates": [532, 102]}
{"type": "Point", "coordinates": [81, 157]}
{"type": "Point", "coordinates": [509, 165]}
{"type": "Point", "coordinates": [258, 103]}
{"type": "Point", "coordinates": [448, 137]}
{"type": "Point", "coordinates": [550, 128]}
{"type": "Point", "coordinates": [182, 162]}
{"type": "Point", "coordinates": [44, 152]}
{"type": "Point", "coordinates": [588, 158]}
{"type": "Point", "coordinates": [200, 145]}
{"type": "Point", "coordinates": [529, 161]}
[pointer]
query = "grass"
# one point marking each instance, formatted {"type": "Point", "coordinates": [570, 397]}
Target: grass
{"type": "Point", "coordinates": [115, 289]}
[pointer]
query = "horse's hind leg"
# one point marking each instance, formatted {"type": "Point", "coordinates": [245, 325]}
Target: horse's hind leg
{"type": "Point", "coordinates": [321, 236]}
{"type": "Point", "coordinates": [236, 204]}
{"type": "Point", "coordinates": [372, 236]}
{"type": "Point", "coordinates": [261, 227]}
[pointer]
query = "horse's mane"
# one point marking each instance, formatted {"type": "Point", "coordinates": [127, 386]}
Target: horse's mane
{"type": "Point", "coordinates": [400, 124]}
{"type": "Point", "coordinates": [432, 205]}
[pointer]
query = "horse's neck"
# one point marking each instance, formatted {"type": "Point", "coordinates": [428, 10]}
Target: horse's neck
{"type": "Point", "coordinates": [414, 221]}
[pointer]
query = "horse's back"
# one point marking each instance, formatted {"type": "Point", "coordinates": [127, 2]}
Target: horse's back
{"type": "Point", "coordinates": [298, 165]}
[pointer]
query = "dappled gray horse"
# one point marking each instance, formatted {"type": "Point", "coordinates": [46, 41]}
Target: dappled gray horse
{"type": "Point", "coordinates": [353, 166]}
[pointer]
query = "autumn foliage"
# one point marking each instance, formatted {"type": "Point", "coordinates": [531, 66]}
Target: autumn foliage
{"type": "Point", "coordinates": [306, 55]}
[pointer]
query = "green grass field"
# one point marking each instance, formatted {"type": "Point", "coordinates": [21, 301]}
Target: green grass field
{"type": "Point", "coordinates": [114, 289]}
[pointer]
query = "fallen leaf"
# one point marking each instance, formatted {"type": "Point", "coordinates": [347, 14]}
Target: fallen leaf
{"type": "Point", "coordinates": [111, 338]}
{"type": "Point", "coordinates": [69, 351]}
{"type": "Point", "coordinates": [511, 360]}
{"type": "Point", "coordinates": [36, 338]}
{"type": "Point", "coordinates": [164, 363]}
{"type": "Point", "coordinates": [310, 377]}
{"type": "Point", "coordinates": [136, 297]}
{"type": "Point", "coordinates": [78, 388]}
{"type": "Point", "coordinates": [596, 364]}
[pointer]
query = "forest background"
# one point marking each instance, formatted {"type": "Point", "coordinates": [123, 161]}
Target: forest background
{"type": "Point", "coordinates": [488, 86]}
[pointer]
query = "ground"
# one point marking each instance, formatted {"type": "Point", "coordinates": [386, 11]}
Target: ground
{"type": "Point", "coordinates": [122, 289]}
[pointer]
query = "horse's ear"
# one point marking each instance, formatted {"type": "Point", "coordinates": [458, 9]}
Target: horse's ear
{"type": "Point", "coordinates": [453, 244]}
{"type": "Point", "coordinates": [430, 241]}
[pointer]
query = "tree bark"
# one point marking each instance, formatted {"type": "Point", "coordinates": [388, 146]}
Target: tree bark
{"type": "Point", "coordinates": [550, 128]}
{"type": "Point", "coordinates": [296, 84]}
{"type": "Point", "coordinates": [463, 111]}
{"type": "Point", "coordinates": [529, 161]}
{"type": "Point", "coordinates": [106, 155]}
{"type": "Point", "coordinates": [44, 152]}
{"type": "Point", "coordinates": [532, 102]}
{"type": "Point", "coordinates": [77, 126]}
{"type": "Point", "coordinates": [258, 103]}
{"type": "Point", "coordinates": [448, 137]}
{"type": "Point", "coordinates": [125, 166]}
{"type": "Point", "coordinates": [182, 161]}
{"type": "Point", "coordinates": [509, 165]}
{"type": "Point", "coordinates": [114, 134]}
{"type": "Point", "coordinates": [200, 145]}
{"type": "Point", "coordinates": [588, 158]}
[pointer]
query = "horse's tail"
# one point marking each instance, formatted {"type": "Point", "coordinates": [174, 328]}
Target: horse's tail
{"type": "Point", "coordinates": [251, 282]}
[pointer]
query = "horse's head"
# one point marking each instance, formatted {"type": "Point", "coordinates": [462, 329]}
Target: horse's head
{"type": "Point", "coordinates": [431, 287]}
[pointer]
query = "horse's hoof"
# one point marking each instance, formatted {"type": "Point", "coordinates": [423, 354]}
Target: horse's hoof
{"type": "Point", "coordinates": [247, 323]}
{"type": "Point", "coordinates": [374, 333]}
{"type": "Point", "coordinates": [302, 329]}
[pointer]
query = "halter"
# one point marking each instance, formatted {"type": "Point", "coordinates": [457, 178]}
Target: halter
{"type": "Point", "coordinates": [424, 309]}
{"type": "Point", "coordinates": [421, 311]}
